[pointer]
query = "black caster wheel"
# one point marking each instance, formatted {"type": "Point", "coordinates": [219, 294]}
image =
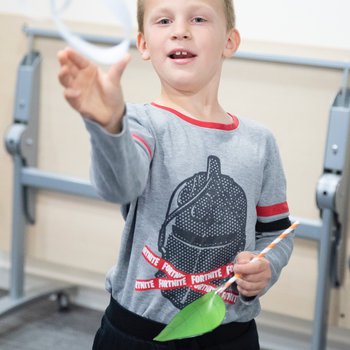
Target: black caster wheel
{"type": "Point", "coordinates": [63, 302]}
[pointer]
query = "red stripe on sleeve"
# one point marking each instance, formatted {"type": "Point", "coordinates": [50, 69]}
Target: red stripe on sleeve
{"type": "Point", "coordinates": [272, 210]}
{"type": "Point", "coordinates": [144, 143]}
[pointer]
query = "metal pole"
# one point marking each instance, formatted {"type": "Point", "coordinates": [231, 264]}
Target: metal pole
{"type": "Point", "coordinates": [344, 86]}
{"type": "Point", "coordinates": [43, 180]}
{"type": "Point", "coordinates": [246, 55]}
{"type": "Point", "coordinates": [319, 335]}
{"type": "Point", "coordinates": [18, 233]}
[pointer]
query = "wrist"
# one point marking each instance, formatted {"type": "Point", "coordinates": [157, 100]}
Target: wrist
{"type": "Point", "coordinates": [115, 124]}
{"type": "Point", "coordinates": [248, 300]}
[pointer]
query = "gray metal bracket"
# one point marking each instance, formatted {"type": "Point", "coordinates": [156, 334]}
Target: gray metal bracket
{"type": "Point", "coordinates": [337, 169]}
{"type": "Point", "coordinates": [332, 197]}
{"type": "Point", "coordinates": [21, 141]}
{"type": "Point", "coordinates": [22, 137]}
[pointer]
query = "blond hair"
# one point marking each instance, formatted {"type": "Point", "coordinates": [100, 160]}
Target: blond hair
{"type": "Point", "coordinates": [228, 9]}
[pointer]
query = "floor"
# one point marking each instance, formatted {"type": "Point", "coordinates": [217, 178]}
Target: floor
{"type": "Point", "coordinates": [41, 326]}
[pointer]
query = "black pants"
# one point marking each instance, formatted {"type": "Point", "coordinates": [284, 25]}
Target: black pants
{"type": "Point", "coordinates": [123, 330]}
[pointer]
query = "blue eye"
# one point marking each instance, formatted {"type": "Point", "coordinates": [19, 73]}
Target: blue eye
{"type": "Point", "coordinates": [199, 19]}
{"type": "Point", "coordinates": [164, 21]}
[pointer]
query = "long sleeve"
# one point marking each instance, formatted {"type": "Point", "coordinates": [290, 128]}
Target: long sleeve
{"type": "Point", "coordinates": [120, 162]}
{"type": "Point", "coordinates": [272, 213]}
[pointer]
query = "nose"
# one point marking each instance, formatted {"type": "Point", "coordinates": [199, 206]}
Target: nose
{"type": "Point", "coordinates": [181, 36]}
{"type": "Point", "coordinates": [181, 32]}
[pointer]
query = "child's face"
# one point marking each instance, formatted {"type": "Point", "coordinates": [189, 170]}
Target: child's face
{"type": "Point", "coordinates": [186, 40]}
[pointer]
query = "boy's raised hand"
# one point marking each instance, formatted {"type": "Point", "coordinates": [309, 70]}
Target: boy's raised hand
{"type": "Point", "coordinates": [255, 275]}
{"type": "Point", "coordinates": [94, 94]}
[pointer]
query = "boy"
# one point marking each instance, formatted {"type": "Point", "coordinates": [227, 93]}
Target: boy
{"type": "Point", "coordinates": [202, 190]}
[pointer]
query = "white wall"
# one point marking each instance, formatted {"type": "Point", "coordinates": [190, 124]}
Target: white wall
{"type": "Point", "coordinates": [323, 23]}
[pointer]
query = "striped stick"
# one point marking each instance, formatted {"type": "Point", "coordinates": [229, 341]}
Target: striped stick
{"type": "Point", "coordinates": [283, 235]}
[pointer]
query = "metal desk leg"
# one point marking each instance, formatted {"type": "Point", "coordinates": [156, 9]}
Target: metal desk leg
{"type": "Point", "coordinates": [22, 142]}
{"type": "Point", "coordinates": [319, 336]}
{"type": "Point", "coordinates": [18, 234]}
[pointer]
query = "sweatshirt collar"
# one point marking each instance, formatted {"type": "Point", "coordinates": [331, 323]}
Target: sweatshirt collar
{"type": "Point", "coordinates": [201, 123]}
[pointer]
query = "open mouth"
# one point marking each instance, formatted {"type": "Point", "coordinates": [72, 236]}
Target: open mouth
{"type": "Point", "coordinates": [180, 54]}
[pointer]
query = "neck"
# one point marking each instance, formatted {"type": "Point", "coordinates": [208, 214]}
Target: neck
{"type": "Point", "coordinates": [200, 106]}
{"type": "Point", "coordinates": [196, 99]}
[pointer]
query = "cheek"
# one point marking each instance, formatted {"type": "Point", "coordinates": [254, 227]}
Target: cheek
{"type": "Point", "coordinates": [156, 48]}
{"type": "Point", "coordinates": [213, 44]}
{"type": "Point", "coordinates": [214, 56]}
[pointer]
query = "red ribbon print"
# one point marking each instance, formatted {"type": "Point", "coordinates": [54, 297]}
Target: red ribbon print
{"type": "Point", "coordinates": [199, 282]}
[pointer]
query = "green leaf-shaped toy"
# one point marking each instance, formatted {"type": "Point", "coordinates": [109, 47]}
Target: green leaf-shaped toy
{"type": "Point", "coordinates": [202, 316]}
{"type": "Point", "coordinates": [206, 313]}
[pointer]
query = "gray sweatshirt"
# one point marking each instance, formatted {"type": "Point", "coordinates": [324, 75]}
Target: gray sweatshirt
{"type": "Point", "coordinates": [193, 195]}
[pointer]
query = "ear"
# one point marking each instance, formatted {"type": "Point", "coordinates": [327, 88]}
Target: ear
{"type": "Point", "coordinates": [142, 46]}
{"type": "Point", "coordinates": [232, 43]}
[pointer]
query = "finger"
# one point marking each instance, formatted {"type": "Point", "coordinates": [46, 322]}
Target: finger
{"type": "Point", "coordinates": [259, 278]}
{"type": "Point", "coordinates": [242, 283]}
{"type": "Point", "coordinates": [64, 76]}
{"type": "Point", "coordinates": [72, 97]}
{"type": "Point", "coordinates": [252, 278]}
{"type": "Point", "coordinates": [117, 69]}
{"type": "Point", "coordinates": [245, 287]}
{"type": "Point", "coordinates": [62, 57]}
{"type": "Point", "coordinates": [78, 60]}
{"type": "Point", "coordinates": [72, 93]}
{"type": "Point", "coordinates": [252, 267]}
{"type": "Point", "coordinates": [244, 257]}
{"type": "Point", "coordinates": [67, 73]}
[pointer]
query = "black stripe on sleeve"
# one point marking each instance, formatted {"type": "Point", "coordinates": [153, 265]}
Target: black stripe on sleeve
{"type": "Point", "coordinates": [272, 226]}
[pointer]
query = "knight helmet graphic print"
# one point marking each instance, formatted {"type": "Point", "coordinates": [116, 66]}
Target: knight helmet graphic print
{"type": "Point", "coordinates": [204, 229]}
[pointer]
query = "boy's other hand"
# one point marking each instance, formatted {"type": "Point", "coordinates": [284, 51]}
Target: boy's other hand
{"type": "Point", "coordinates": [255, 275]}
{"type": "Point", "coordinates": [94, 94]}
